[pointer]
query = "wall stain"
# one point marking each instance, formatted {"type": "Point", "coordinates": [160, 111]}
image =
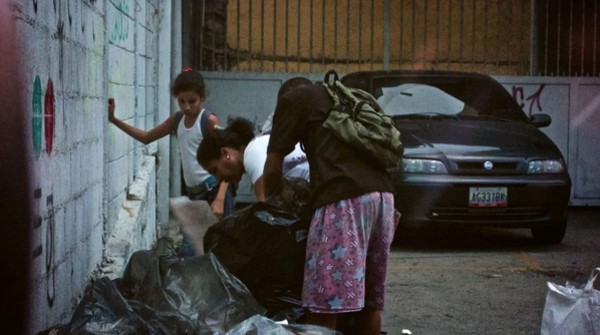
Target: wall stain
{"type": "Point", "coordinates": [120, 29]}
{"type": "Point", "coordinates": [60, 30]}
{"type": "Point", "coordinates": [50, 275]}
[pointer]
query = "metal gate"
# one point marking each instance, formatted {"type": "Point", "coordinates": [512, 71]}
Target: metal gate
{"type": "Point", "coordinates": [497, 37]}
{"type": "Point", "coordinates": [547, 51]}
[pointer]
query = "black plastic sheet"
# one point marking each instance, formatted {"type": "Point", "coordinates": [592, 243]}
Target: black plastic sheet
{"type": "Point", "coordinates": [264, 246]}
{"type": "Point", "coordinates": [250, 276]}
{"type": "Point", "coordinates": [166, 295]}
{"type": "Point", "coordinates": [103, 310]}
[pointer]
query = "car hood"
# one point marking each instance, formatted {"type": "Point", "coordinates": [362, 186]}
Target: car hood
{"type": "Point", "coordinates": [474, 138]}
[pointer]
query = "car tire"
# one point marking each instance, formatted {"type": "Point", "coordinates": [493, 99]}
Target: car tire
{"type": "Point", "coordinates": [551, 234]}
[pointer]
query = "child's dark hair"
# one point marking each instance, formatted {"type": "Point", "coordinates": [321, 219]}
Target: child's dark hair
{"type": "Point", "coordinates": [237, 135]}
{"type": "Point", "coordinates": [292, 84]}
{"type": "Point", "coordinates": [189, 80]}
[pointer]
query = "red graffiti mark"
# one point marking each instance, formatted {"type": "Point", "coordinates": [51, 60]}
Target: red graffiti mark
{"type": "Point", "coordinates": [518, 94]}
{"type": "Point", "coordinates": [49, 116]}
{"type": "Point", "coordinates": [535, 99]}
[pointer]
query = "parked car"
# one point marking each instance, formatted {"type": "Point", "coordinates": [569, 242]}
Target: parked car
{"type": "Point", "coordinates": [472, 156]}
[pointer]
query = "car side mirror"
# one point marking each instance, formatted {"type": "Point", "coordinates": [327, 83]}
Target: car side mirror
{"type": "Point", "coordinates": [540, 120]}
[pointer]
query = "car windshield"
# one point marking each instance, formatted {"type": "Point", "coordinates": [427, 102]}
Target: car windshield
{"type": "Point", "coordinates": [447, 98]}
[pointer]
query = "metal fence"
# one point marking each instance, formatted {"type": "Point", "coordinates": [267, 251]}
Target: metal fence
{"type": "Point", "coordinates": [498, 37]}
{"type": "Point", "coordinates": [566, 38]}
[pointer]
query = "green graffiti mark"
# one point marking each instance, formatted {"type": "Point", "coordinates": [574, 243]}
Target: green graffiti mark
{"type": "Point", "coordinates": [120, 30]}
{"type": "Point", "coordinates": [36, 118]}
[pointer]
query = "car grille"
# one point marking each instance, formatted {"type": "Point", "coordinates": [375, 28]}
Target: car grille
{"type": "Point", "coordinates": [478, 167]}
{"type": "Point", "coordinates": [489, 215]}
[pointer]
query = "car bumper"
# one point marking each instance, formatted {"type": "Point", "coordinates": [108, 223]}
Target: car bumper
{"type": "Point", "coordinates": [533, 201]}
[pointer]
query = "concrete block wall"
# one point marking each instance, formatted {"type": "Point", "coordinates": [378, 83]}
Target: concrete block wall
{"type": "Point", "coordinates": [94, 189]}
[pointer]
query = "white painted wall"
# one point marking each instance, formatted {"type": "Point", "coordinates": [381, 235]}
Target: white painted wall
{"type": "Point", "coordinates": [63, 48]}
{"type": "Point", "coordinates": [94, 192]}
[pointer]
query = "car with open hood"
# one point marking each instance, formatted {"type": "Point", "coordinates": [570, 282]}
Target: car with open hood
{"type": "Point", "coordinates": [471, 154]}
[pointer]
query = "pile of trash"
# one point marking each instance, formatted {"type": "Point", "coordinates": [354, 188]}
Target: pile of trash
{"type": "Point", "coordinates": [248, 281]}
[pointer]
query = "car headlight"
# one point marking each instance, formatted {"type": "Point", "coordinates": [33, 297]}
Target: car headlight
{"type": "Point", "coordinates": [545, 166]}
{"type": "Point", "coordinates": [411, 165]}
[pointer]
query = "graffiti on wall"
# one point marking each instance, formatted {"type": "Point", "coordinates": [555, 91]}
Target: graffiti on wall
{"type": "Point", "coordinates": [120, 28]}
{"type": "Point", "coordinates": [49, 116]}
{"type": "Point", "coordinates": [36, 118]}
{"type": "Point", "coordinates": [550, 98]}
{"type": "Point", "coordinates": [50, 275]}
{"type": "Point", "coordinates": [49, 244]}
{"type": "Point", "coordinates": [531, 103]}
{"type": "Point", "coordinates": [42, 121]}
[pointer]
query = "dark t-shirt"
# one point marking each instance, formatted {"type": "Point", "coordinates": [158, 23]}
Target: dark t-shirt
{"type": "Point", "coordinates": [337, 171]}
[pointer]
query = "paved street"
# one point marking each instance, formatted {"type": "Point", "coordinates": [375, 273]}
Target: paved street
{"type": "Point", "coordinates": [484, 281]}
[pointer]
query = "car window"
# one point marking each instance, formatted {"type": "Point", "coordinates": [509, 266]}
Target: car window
{"type": "Point", "coordinates": [460, 98]}
{"type": "Point", "coordinates": [406, 99]}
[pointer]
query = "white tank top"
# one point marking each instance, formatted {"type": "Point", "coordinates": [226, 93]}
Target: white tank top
{"type": "Point", "coordinates": [295, 164]}
{"type": "Point", "coordinates": [189, 139]}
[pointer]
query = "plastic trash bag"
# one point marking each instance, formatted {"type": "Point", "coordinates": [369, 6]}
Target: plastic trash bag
{"type": "Point", "coordinates": [259, 325]}
{"type": "Point", "coordinates": [264, 246]}
{"type": "Point", "coordinates": [572, 309]}
{"type": "Point", "coordinates": [142, 264]}
{"type": "Point", "coordinates": [103, 310]}
{"type": "Point", "coordinates": [259, 245]}
{"type": "Point", "coordinates": [165, 295]}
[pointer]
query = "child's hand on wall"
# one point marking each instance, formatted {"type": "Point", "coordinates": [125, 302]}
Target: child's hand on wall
{"type": "Point", "coordinates": [111, 109]}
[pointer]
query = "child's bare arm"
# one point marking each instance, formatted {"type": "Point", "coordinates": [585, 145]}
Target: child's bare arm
{"type": "Point", "coordinates": [143, 136]}
{"type": "Point", "coordinates": [259, 189]}
{"type": "Point", "coordinates": [218, 205]}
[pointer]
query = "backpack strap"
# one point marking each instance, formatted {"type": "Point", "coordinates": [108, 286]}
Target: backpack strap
{"type": "Point", "coordinates": [178, 117]}
{"type": "Point", "coordinates": [204, 122]}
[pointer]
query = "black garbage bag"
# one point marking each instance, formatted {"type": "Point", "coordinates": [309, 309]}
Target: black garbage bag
{"type": "Point", "coordinates": [146, 263]}
{"type": "Point", "coordinates": [202, 289]}
{"type": "Point", "coordinates": [166, 295]}
{"type": "Point", "coordinates": [264, 246]}
{"type": "Point", "coordinates": [281, 303]}
{"type": "Point", "coordinates": [103, 310]}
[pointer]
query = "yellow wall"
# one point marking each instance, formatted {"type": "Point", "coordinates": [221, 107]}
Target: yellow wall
{"type": "Point", "coordinates": [472, 35]}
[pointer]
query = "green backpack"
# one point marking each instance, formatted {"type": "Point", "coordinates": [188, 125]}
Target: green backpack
{"type": "Point", "coordinates": [357, 119]}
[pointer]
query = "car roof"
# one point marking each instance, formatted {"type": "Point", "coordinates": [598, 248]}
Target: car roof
{"type": "Point", "coordinates": [371, 80]}
{"type": "Point", "coordinates": [413, 73]}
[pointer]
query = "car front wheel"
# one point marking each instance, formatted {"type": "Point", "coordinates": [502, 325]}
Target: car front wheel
{"type": "Point", "coordinates": [551, 234]}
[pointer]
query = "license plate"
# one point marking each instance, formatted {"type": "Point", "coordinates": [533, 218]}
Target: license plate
{"type": "Point", "coordinates": [488, 197]}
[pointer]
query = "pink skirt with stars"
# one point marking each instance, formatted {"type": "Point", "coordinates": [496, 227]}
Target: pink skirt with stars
{"type": "Point", "coordinates": [347, 253]}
